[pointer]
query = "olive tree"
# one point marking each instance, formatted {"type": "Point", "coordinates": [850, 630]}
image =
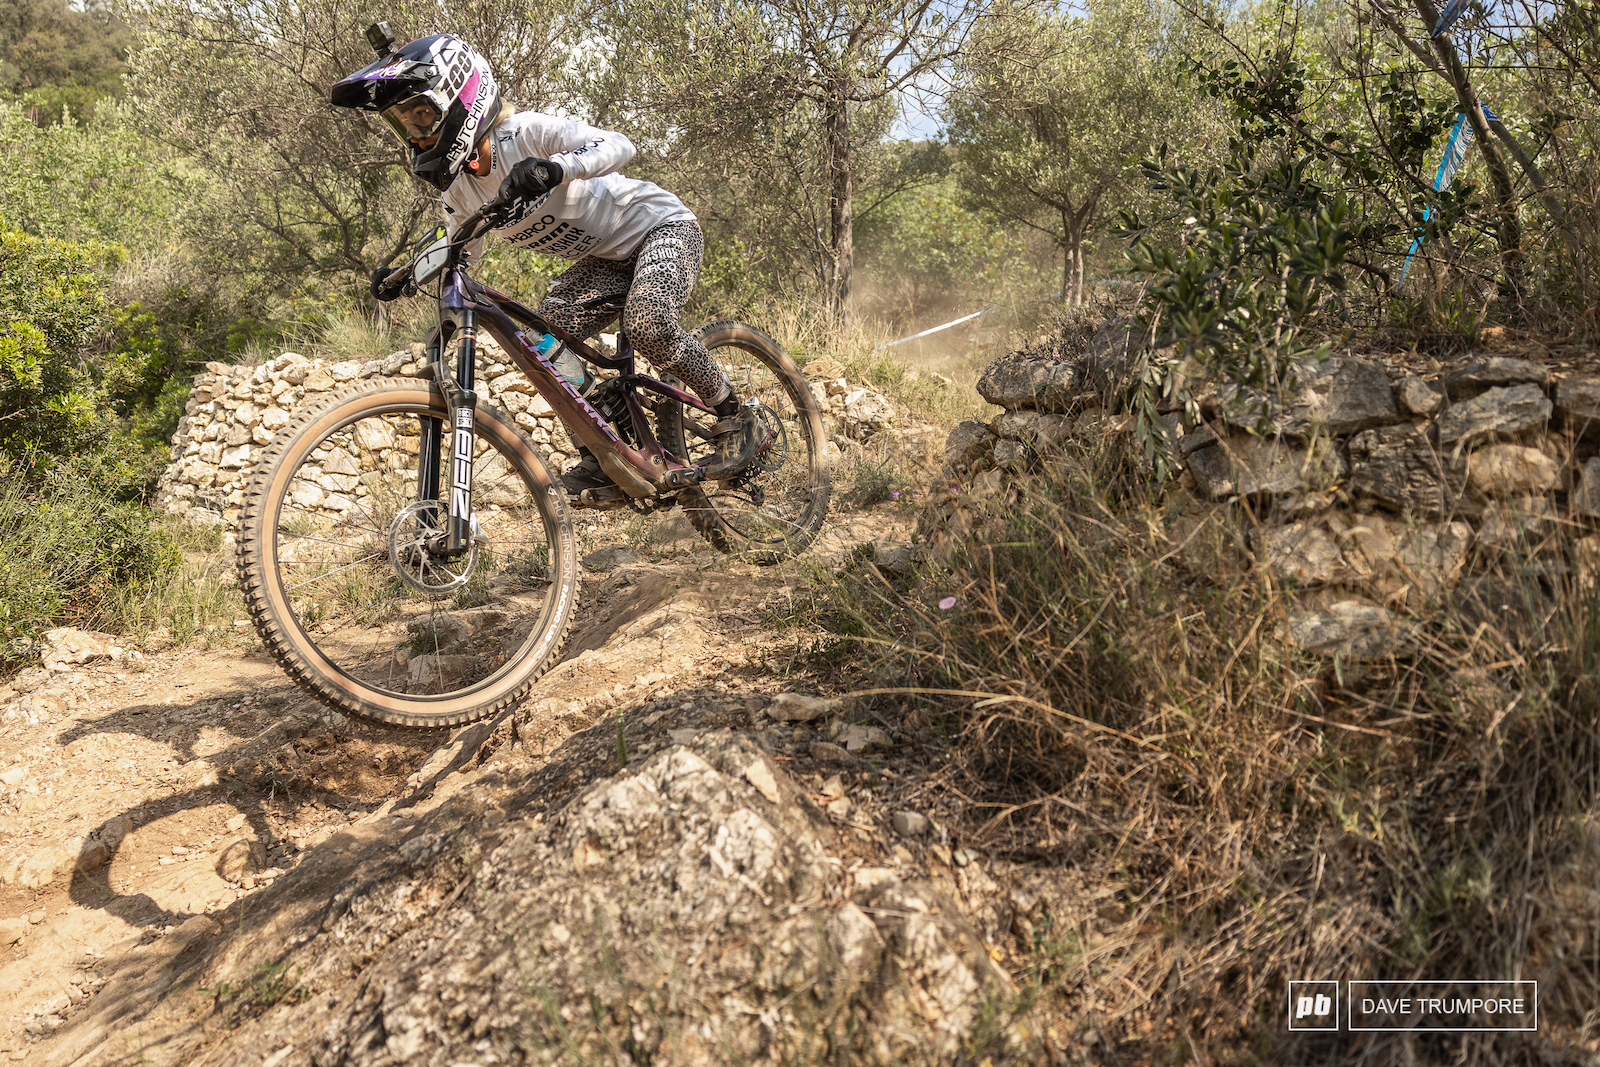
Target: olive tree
{"type": "Point", "coordinates": [793, 97]}
{"type": "Point", "coordinates": [310, 189]}
{"type": "Point", "coordinates": [1052, 110]}
{"type": "Point", "coordinates": [61, 58]}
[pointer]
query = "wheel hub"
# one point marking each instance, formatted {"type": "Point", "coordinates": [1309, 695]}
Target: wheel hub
{"type": "Point", "coordinates": [416, 549]}
{"type": "Point", "coordinates": [770, 454]}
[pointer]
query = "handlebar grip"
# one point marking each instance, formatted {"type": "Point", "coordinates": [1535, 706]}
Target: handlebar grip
{"type": "Point", "coordinates": [395, 283]}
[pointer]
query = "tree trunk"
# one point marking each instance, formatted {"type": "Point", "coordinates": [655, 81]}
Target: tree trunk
{"type": "Point", "coordinates": [841, 181]}
{"type": "Point", "coordinates": [1074, 225]}
{"type": "Point", "coordinates": [1505, 194]}
{"type": "Point", "coordinates": [1066, 256]}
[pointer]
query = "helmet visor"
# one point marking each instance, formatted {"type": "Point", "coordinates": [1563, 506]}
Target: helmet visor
{"type": "Point", "coordinates": [414, 119]}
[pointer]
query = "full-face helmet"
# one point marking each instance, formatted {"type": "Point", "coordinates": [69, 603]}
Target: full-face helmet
{"type": "Point", "coordinates": [436, 94]}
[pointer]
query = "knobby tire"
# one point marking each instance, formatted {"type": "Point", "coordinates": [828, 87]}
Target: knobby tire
{"type": "Point", "coordinates": [349, 673]}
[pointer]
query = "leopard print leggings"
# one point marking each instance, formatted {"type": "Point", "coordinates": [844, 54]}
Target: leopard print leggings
{"type": "Point", "coordinates": [657, 280]}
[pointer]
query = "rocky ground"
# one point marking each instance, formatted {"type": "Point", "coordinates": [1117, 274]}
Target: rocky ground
{"type": "Point", "coordinates": [198, 864]}
{"type": "Point", "coordinates": [682, 848]}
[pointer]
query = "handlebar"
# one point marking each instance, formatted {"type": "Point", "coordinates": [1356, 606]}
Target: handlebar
{"type": "Point", "coordinates": [469, 225]}
{"type": "Point", "coordinates": [400, 282]}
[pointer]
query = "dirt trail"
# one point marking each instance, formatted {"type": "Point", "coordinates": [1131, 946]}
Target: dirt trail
{"type": "Point", "coordinates": [147, 799]}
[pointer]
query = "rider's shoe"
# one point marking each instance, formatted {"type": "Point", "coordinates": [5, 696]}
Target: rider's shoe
{"type": "Point", "coordinates": [585, 474]}
{"type": "Point", "coordinates": [736, 438]}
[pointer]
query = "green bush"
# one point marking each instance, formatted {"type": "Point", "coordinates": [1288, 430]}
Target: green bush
{"type": "Point", "coordinates": [1258, 268]}
{"type": "Point", "coordinates": [52, 304]}
{"type": "Point", "coordinates": [70, 539]}
{"type": "Point", "coordinates": [158, 344]}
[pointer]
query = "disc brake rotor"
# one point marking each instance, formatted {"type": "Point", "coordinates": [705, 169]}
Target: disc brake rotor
{"type": "Point", "coordinates": [416, 539]}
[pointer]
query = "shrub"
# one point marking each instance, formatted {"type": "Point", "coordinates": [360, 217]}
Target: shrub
{"type": "Point", "coordinates": [71, 538]}
{"type": "Point", "coordinates": [1258, 268]}
{"type": "Point", "coordinates": [1124, 704]}
{"type": "Point", "coordinates": [52, 302]}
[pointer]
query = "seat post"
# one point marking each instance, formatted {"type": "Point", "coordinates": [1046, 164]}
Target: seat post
{"type": "Point", "coordinates": [625, 351]}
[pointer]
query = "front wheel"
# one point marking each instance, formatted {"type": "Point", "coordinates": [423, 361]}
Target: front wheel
{"type": "Point", "coordinates": [346, 579]}
{"type": "Point", "coordinates": [776, 507]}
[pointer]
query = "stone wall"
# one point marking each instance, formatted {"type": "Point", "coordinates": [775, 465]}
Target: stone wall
{"type": "Point", "coordinates": [234, 411]}
{"type": "Point", "coordinates": [1372, 481]}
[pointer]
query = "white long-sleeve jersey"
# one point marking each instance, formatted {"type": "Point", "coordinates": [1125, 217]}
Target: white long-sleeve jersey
{"type": "Point", "coordinates": [595, 211]}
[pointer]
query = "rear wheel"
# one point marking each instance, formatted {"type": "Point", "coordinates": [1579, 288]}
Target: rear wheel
{"type": "Point", "coordinates": [347, 582]}
{"type": "Point", "coordinates": [776, 507]}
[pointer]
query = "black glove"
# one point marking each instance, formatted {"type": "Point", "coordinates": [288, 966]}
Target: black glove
{"type": "Point", "coordinates": [531, 178]}
{"type": "Point", "coordinates": [389, 283]}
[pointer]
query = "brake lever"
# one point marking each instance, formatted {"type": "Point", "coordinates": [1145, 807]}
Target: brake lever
{"type": "Point", "coordinates": [496, 213]}
{"type": "Point", "coordinates": [406, 288]}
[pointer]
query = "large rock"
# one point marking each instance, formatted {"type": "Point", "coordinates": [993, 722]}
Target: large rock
{"type": "Point", "coordinates": [1263, 466]}
{"type": "Point", "coordinates": [1520, 523]}
{"type": "Point", "coordinates": [66, 646]}
{"type": "Point", "coordinates": [801, 707]}
{"type": "Point", "coordinates": [1305, 553]}
{"type": "Point", "coordinates": [969, 443]}
{"type": "Point", "coordinates": [1396, 559]}
{"type": "Point", "coordinates": [1398, 468]}
{"type": "Point", "coordinates": [1473, 378]}
{"type": "Point", "coordinates": [1107, 357]}
{"type": "Point", "coordinates": [1388, 558]}
{"type": "Point", "coordinates": [1504, 411]}
{"type": "Point", "coordinates": [1046, 432]}
{"type": "Point", "coordinates": [1009, 455]}
{"type": "Point", "coordinates": [692, 910]}
{"type": "Point", "coordinates": [1577, 406]}
{"type": "Point", "coordinates": [824, 368]}
{"type": "Point", "coordinates": [1418, 397]}
{"type": "Point", "coordinates": [1339, 397]}
{"type": "Point", "coordinates": [1512, 470]}
{"type": "Point", "coordinates": [866, 413]}
{"type": "Point", "coordinates": [1043, 381]}
{"type": "Point", "coordinates": [1586, 494]}
{"type": "Point", "coordinates": [1353, 630]}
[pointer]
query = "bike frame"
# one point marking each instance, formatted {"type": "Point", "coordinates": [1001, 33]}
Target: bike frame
{"type": "Point", "coordinates": [465, 305]}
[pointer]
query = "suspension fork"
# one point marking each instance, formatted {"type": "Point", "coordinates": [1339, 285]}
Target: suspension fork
{"type": "Point", "coordinates": [461, 398]}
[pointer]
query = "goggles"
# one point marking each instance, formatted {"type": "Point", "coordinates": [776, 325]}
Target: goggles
{"type": "Point", "coordinates": [414, 119]}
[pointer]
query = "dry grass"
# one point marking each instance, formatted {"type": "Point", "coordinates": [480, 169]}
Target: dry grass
{"type": "Point", "coordinates": [908, 373]}
{"type": "Point", "coordinates": [195, 602]}
{"type": "Point", "coordinates": [1127, 712]}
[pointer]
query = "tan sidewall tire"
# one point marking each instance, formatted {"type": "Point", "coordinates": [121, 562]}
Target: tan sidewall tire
{"type": "Point", "coordinates": [287, 640]}
{"type": "Point", "coordinates": [702, 510]}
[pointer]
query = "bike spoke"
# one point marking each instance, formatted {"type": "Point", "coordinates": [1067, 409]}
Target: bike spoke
{"type": "Point", "coordinates": [356, 603]}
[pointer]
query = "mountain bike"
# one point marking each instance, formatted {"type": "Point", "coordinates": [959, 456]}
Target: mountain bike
{"type": "Point", "coordinates": [406, 554]}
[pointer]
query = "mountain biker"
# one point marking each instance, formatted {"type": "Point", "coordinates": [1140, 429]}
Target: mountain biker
{"type": "Point", "coordinates": [568, 198]}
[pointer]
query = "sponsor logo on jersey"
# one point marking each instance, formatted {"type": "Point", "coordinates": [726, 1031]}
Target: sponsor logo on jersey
{"type": "Point", "coordinates": [537, 227]}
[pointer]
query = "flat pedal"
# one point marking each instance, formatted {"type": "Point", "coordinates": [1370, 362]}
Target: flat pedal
{"type": "Point", "coordinates": [681, 477]}
{"type": "Point", "coordinates": [602, 499]}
